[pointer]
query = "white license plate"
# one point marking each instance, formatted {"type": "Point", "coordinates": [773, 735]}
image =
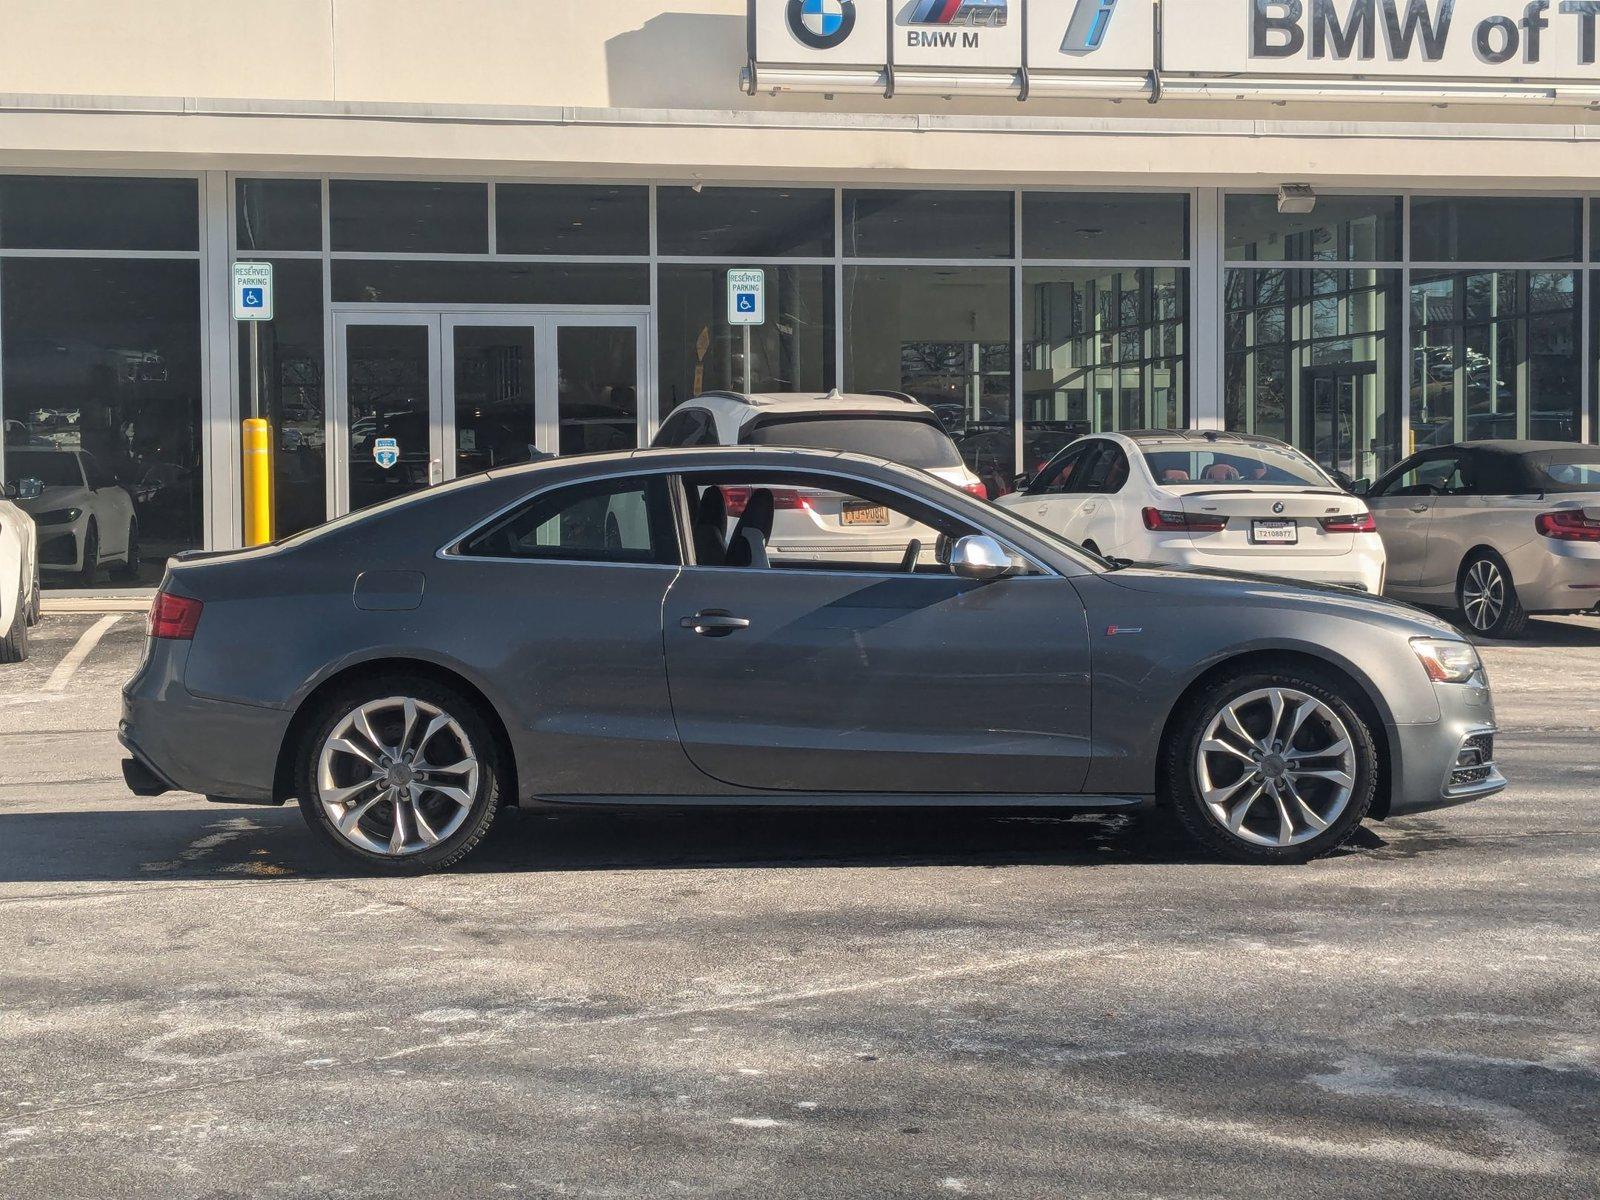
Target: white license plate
{"type": "Point", "coordinates": [1275, 533]}
{"type": "Point", "coordinates": [864, 514]}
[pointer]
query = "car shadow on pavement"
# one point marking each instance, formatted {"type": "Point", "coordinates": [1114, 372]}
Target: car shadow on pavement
{"type": "Point", "coordinates": [239, 843]}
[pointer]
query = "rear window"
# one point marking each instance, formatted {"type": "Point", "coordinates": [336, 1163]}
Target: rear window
{"type": "Point", "coordinates": [905, 440]}
{"type": "Point", "coordinates": [1234, 465]}
{"type": "Point", "coordinates": [1575, 470]}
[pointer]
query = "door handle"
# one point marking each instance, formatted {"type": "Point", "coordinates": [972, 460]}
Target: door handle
{"type": "Point", "coordinates": [1090, 506]}
{"type": "Point", "coordinates": [714, 622]}
{"type": "Point", "coordinates": [1420, 508]}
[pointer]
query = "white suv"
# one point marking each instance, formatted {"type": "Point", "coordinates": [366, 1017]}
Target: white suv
{"type": "Point", "coordinates": [815, 525]}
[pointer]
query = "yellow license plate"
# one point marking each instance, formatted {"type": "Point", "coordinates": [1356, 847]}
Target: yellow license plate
{"type": "Point", "coordinates": [864, 514]}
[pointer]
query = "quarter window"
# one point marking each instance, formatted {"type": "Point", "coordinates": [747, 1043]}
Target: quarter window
{"type": "Point", "coordinates": [612, 520]}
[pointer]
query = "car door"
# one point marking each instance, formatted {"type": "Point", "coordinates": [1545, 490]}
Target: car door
{"type": "Point", "coordinates": [111, 505]}
{"type": "Point", "coordinates": [1456, 524]}
{"type": "Point", "coordinates": [844, 677]}
{"type": "Point", "coordinates": [1055, 498]}
{"type": "Point", "coordinates": [1401, 503]}
{"type": "Point", "coordinates": [1101, 519]}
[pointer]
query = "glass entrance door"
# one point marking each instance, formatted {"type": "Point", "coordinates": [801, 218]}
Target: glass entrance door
{"type": "Point", "coordinates": [426, 397]}
{"type": "Point", "coordinates": [387, 426]}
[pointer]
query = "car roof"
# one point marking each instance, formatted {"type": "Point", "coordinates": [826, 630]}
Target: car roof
{"type": "Point", "coordinates": [891, 404]}
{"type": "Point", "coordinates": [693, 458]}
{"type": "Point", "coordinates": [1209, 436]}
{"type": "Point", "coordinates": [1509, 447]}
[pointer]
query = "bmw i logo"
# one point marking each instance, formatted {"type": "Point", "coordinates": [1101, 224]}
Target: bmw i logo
{"type": "Point", "coordinates": [822, 24]}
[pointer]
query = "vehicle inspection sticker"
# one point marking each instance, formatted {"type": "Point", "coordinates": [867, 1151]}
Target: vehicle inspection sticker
{"type": "Point", "coordinates": [386, 452]}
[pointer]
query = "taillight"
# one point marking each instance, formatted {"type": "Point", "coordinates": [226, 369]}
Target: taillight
{"type": "Point", "coordinates": [1568, 525]}
{"type": "Point", "coordinates": [737, 499]}
{"type": "Point", "coordinates": [173, 617]}
{"type": "Point", "coordinates": [976, 488]}
{"type": "Point", "coordinates": [1164, 520]}
{"type": "Point", "coordinates": [1349, 523]}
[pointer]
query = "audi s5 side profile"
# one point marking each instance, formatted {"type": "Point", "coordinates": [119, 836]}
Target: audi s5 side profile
{"type": "Point", "coordinates": [591, 632]}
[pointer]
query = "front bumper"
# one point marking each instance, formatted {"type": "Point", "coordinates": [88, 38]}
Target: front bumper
{"type": "Point", "coordinates": [1449, 761]}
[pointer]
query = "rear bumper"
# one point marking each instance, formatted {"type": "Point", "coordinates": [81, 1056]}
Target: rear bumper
{"type": "Point", "coordinates": [1557, 577]}
{"type": "Point", "coordinates": [1360, 571]}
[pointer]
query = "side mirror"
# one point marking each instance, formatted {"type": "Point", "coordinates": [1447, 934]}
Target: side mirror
{"type": "Point", "coordinates": [980, 557]}
{"type": "Point", "coordinates": [25, 489]}
{"type": "Point", "coordinates": [1021, 482]}
{"type": "Point", "coordinates": [1361, 487]}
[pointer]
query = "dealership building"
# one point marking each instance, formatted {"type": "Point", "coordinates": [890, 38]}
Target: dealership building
{"type": "Point", "coordinates": [501, 227]}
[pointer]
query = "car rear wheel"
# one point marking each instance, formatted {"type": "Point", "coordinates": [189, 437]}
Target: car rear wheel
{"type": "Point", "coordinates": [1486, 597]}
{"type": "Point", "coordinates": [400, 774]}
{"type": "Point", "coordinates": [1272, 767]}
{"type": "Point", "coordinates": [129, 569]}
{"type": "Point", "coordinates": [14, 645]}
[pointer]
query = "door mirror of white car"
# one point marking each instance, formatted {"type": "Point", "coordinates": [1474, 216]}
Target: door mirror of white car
{"type": "Point", "coordinates": [1361, 487]}
{"type": "Point", "coordinates": [25, 489]}
{"type": "Point", "coordinates": [1021, 482]}
{"type": "Point", "coordinates": [980, 557]}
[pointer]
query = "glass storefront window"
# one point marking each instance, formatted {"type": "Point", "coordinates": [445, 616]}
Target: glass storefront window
{"type": "Point", "coordinates": [1098, 225]}
{"type": "Point", "coordinates": [279, 214]}
{"type": "Point", "coordinates": [700, 351]}
{"type": "Point", "coordinates": [915, 224]}
{"type": "Point", "coordinates": [943, 335]}
{"type": "Point", "coordinates": [1103, 349]}
{"type": "Point", "coordinates": [1495, 229]}
{"type": "Point", "coordinates": [1494, 354]}
{"type": "Point", "coordinates": [102, 365]}
{"type": "Point", "coordinates": [394, 217]}
{"type": "Point", "coordinates": [293, 394]}
{"type": "Point", "coordinates": [548, 218]}
{"type": "Point", "coordinates": [1313, 358]}
{"type": "Point", "coordinates": [64, 212]}
{"type": "Point", "coordinates": [1340, 229]}
{"type": "Point", "coordinates": [410, 281]}
{"type": "Point", "coordinates": [745, 222]}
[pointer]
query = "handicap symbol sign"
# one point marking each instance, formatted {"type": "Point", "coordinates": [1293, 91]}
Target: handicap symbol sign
{"type": "Point", "coordinates": [747, 302]}
{"type": "Point", "coordinates": [252, 297]}
{"type": "Point", "coordinates": [385, 452]}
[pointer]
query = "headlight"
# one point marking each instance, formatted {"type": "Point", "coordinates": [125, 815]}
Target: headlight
{"type": "Point", "coordinates": [1447, 660]}
{"type": "Point", "coordinates": [58, 516]}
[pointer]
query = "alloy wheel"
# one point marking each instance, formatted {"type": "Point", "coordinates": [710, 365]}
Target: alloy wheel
{"type": "Point", "coordinates": [1483, 594]}
{"type": "Point", "coordinates": [397, 776]}
{"type": "Point", "coordinates": [1276, 767]}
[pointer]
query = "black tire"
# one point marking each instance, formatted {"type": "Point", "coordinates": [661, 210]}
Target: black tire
{"type": "Point", "coordinates": [1182, 786]}
{"type": "Point", "coordinates": [334, 709]}
{"type": "Point", "coordinates": [14, 646]}
{"type": "Point", "coordinates": [35, 607]}
{"type": "Point", "coordinates": [1486, 597]}
{"type": "Point", "coordinates": [128, 569]}
{"type": "Point", "coordinates": [90, 570]}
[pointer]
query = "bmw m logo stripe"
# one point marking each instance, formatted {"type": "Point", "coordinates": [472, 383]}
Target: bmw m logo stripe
{"type": "Point", "coordinates": [989, 13]}
{"type": "Point", "coordinates": [821, 24]}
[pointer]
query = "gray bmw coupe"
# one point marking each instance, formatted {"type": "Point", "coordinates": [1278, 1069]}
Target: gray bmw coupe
{"type": "Point", "coordinates": [613, 631]}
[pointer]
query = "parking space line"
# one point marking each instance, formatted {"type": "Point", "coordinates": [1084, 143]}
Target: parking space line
{"type": "Point", "coordinates": [68, 666]}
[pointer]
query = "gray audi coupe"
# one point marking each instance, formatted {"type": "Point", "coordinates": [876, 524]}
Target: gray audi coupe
{"type": "Point", "coordinates": [623, 630]}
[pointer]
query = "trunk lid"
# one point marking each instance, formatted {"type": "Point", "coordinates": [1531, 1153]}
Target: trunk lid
{"type": "Point", "coordinates": [1270, 520]}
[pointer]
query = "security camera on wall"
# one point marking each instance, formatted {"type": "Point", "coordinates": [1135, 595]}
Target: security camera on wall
{"type": "Point", "coordinates": [1296, 198]}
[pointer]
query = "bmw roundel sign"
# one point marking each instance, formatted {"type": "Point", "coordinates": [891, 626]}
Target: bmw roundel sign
{"type": "Point", "coordinates": [821, 24]}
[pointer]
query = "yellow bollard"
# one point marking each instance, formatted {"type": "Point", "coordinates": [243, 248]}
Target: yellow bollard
{"type": "Point", "coordinates": [257, 482]}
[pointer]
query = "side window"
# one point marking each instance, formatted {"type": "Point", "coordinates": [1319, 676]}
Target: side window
{"type": "Point", "coordinates": [1060, 473]}
{"type": "Point", "coordinates": [1434, 475]}
{"type": "Point", "coordinates": [1107, 471]}
{"type": "Point", "coordinates": [681, 428]}
{"type": "Point", "coordinates": [610, 520]}
{"type": "Point", "coordinates": [813, 522]}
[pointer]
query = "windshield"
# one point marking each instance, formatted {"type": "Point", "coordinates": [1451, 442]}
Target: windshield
{"type": "Point", "coordinates": [1235, 465]}
{"type": "Point", "coordinates": [1575, 470]}
{"type": "Point", "coordinates": [53, 468]}
{"type": "Point", "coordinates": [910, 441]}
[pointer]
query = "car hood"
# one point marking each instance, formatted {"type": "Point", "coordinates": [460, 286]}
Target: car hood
{"type": "Point", "coordinates": [1207, 584]}
{"type": "Point", "coordinates": [56, 496]}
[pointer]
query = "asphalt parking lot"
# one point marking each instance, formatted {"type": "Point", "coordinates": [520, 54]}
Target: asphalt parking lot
{"type": "Point", "coordinates": [195, 1001]}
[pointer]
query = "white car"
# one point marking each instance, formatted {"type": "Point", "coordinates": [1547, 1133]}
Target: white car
{"type": "Point", "coordinates": [1202, 498]}
{"type": "Point", "coordinates": [19, 571]}
{"type": "Point", "coordinates": [818, 525]}
{"type": "Point", "coordinates": [85, 518]}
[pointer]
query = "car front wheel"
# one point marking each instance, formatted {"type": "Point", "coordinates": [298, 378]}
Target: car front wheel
{"type": "Point", "coordinates": [14, 645]}
{"type": "Point", "coordinates": [400, 774]}
{"type": "Point", "coordinates": [1272, 767]}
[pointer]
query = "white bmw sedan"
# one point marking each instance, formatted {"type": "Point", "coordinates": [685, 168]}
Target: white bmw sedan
{"type": "Point", "coordinates": [1201, 498]}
